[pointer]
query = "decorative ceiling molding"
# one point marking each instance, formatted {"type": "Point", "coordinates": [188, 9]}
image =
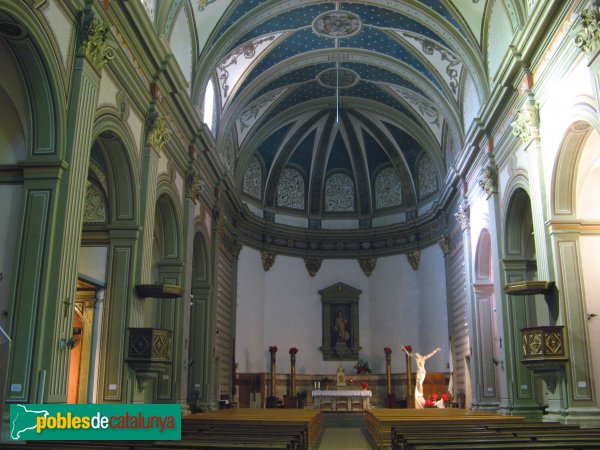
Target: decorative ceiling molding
{"type": "Point", "coordinates": [252, 114]}
{"type": "Point", "coordinates": [390, 240]}
{"type": "Point", "coordinates": [448, 66]}
{"type": "Point", "coordinates": [424, 108]}
{"type": "Point", "coordinates": [231, 69]}
{"type": "Point", "coordinates": [337, 24]}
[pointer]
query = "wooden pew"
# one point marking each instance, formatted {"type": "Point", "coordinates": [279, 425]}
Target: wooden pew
{"type": "Point", "coordinates": [303, 427]}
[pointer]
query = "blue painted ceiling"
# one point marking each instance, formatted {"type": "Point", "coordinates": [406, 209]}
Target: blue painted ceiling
{"type": "Point", "coordinates": [401, 51]}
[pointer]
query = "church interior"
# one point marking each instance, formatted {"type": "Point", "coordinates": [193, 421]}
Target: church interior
{"type": "Point", "coordinates": [243, 204]}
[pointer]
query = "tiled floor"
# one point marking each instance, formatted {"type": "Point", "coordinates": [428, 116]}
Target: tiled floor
{"type": "Point", "coordinates": [345, 439]}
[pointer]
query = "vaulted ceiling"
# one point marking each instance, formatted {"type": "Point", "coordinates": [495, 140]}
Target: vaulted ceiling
{"type": "Point", "coordinates": [343, 110]}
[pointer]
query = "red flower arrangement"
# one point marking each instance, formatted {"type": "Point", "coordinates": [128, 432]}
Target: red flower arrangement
{"type": "Point", "coordinates": [365, 385]}
{"type": "Point", "coordinates": [293, 351]}
{"type": "Point", "coordinates": [408, 348]}
{"type": "Point", "coordinates": [387, 350]}
{"type": "Point", "coordinates": [433, 400]}
{"type": "Point", "coordinates": [273, 349]}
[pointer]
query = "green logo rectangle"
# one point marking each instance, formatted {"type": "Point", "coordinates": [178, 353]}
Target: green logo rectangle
{"type": "Point", "coordinates": [95, 422]}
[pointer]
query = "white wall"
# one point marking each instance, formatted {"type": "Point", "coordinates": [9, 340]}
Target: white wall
{"type": "Point", "coordinates": [398, 306]}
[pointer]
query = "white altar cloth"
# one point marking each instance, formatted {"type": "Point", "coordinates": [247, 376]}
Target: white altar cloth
{"type": "Point", "coordinates": [344, 398]}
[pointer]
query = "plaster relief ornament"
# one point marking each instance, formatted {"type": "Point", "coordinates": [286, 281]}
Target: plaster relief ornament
{"type": "Point", "coordinates": [313, 265]}
{"type": "Point", "coordinates": [367, 265]}
{"type": "Point", "coordinates": [268, 259]}
{"type": "Point", "coordinates": [253, 179]}
{"type": "Point", "coordinates": [414, 258]}
{"type": "Point", "coordinates": [96, 45]}
{"type": "Point", "coordinates": [526, 124]}
{"type": "Point", "coordinates": [160, 134]}
{"type": "Point", "coordinates": [444, 244]}
{"type": "Point", "coordinates": [487, 182]}
{"type": "Point", "coordinates": [337, 24]}
{"type": "Point", "coordinates": [193, 185]}
{"type": "Point", "coordinates": [463, 216]}
{"type": "Point", "coordinates": [329, 78]}
{"type": "Point", "coordinates": [589, 36]}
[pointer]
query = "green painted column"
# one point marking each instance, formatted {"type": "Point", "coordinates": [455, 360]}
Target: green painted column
{"type": "Point", "coordinates": [41, 182]}
{"type": "Point", "coordinates": [517, 314]}
{"type": "Point", "coordinates": [113, 378]}
{"type": "Point", "coordinates": [575, 401]}
{"type": "Point", "coordinates": [48, 365]}
{"type": "Point", "coordinates": [155, 126]}
{"type": "Point", "coordinates": [193, 189]}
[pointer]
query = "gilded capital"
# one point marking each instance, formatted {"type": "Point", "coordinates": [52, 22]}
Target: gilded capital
{"type": "Point", "coordinates": [193, 185]}
{"type": "Point", "coordinates": [95, 43]}
{"type": "Point", "coordinates": [589, 36]}
{"type": "Point", "coordinates": [313, 265]}
{"type": "Point", "coordinates": [221, 226]}
{"type": "Point", "coordinates": [367, 265]}
{"type": "Point", "coordinates": [414, 258]}
{"type": "Point", "coordinates": [160, 134]}
{"type": "Point", "coordinates": [268, 259]}
{"type": "Point", "coordinates": [526, 124]}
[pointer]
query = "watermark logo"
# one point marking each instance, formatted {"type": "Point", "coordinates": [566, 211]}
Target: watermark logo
{"type": "Point", "coordinates": [95, 422]}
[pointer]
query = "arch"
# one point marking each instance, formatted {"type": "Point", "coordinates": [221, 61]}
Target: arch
{"type": "Point", "coordinates": [340, 193]}
{"type": "Point", "coordinates": [291, 191]}
{"type": "Point", "coordinates": [498, 33]}
{"type": "Point", "coordinates": [112, 140]}
{"type": "Point", "coordinates": [253, 178]}
{"type": "Point", "coordinates": [42, 76]}
{"type": "Point", "coordinates": [563, 193]}
{"type": "Point", "coordinates": [519, 226]}
{"type": "Point", "coordinates": [167, 217]}
{"type": "Point", "coordinates": [200, 266]}
{"type": "Point", "coordinates": [15, 111]}
{"type": "Point", "coordinates": [387, 191]}
{"type": "Point", "coordinates": [483, 258]}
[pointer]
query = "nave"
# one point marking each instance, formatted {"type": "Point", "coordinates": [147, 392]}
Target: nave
{"type": "Point", "coordinates": [383, 429]}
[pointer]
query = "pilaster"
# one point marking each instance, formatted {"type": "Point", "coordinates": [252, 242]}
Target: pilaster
{"type": "Point", "coordinates": [119, 295]}
{"type": "Point", "coordinates": [463, 217]}
{"type": "Point", "coordinates": [579, 405]}
{"type": "Point", "coordinates": [526, 127]}
{"type": "Point", "coordinates": [41, 181]}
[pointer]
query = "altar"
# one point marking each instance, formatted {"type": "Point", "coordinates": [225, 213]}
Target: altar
{"type": "Point", "coordinates": [343, 400]}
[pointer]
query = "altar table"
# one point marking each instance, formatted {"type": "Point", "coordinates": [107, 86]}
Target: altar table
{"type": "Point", "coordinates": [343, 397]}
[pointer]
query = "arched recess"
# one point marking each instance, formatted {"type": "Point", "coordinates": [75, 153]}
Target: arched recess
{"type": "Point", "coordinates": [576, 241]}
{"type": "Point", "coordinates": [498, 33]}
{"type": "Point", "coordinates": [200, 361]}
{"type": "Point", "coordinates": [32, 137]}
{"type": "Point", "coordinates": [106, 255]}
{"type": "Point", "coordinates": [488, 385]}
{"type": "Point", "coordinates": [167, 268]}
{"type": "Point", "coordinates": [14, 113]}
{"type": "Point", "coordinates": [520, 311]}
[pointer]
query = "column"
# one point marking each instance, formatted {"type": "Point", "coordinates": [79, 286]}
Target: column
{"type": "Point", "coordinates": [50, 361]}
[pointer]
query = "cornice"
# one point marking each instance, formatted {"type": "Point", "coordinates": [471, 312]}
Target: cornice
{"type": "Point", "coordinates": [380, 241]}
